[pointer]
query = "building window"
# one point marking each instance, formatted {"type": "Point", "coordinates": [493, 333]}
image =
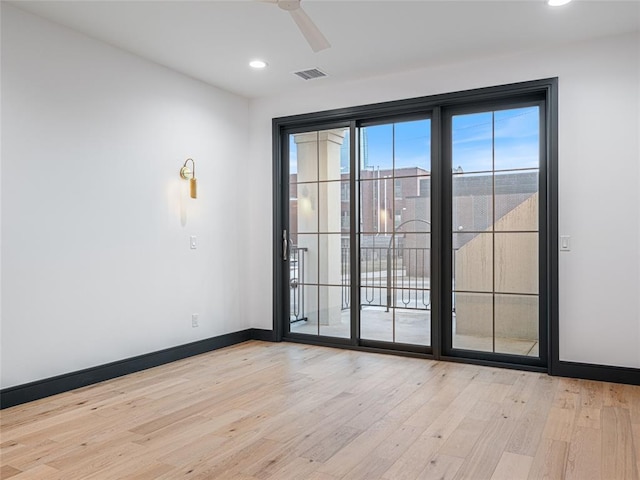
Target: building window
{"type": "Point", "coordinates": [344, 192]}
{"type": "Point", "coordinates": [397, 188]}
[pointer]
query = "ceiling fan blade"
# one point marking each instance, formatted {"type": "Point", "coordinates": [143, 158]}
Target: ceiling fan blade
{"type": "Point", "coordinates": [314, 36]}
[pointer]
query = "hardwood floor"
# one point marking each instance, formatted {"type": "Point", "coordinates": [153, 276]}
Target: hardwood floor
{"type": "Point", "coordinates": [288, 411]}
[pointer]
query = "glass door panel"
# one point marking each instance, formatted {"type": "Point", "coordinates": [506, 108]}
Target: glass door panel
{"type": "Point", "coordinates": [319, 228]}
{"type": "Point", "coordinates": [395, 232]}
{"type": "Point", "coordinates": [495, 237]}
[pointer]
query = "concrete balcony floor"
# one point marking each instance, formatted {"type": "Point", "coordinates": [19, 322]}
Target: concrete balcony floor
{"type": "Point", "coordinates": [412, 327]}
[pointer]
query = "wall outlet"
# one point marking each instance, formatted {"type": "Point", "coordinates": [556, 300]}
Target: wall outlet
{"type": "Point", "coordinates": [194, 320]}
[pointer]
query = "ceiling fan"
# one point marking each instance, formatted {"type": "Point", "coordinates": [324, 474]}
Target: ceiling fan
{"type": "Point", "coordinates": [317, 41]}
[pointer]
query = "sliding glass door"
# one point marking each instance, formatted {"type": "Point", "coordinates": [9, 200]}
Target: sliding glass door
{"type": "Point", "coordinates": [424, 229]}
{"type": "Point", "coordinates": [495, 236]}
{"type": "Point", "coordinates": [495, 210]}
{"type": "Point", "coordinates": [387, 247]}
{"type": "Point", "coordinates": [395, 232]}
{"type": "Point", "coordinates": [492, 230]}
{"type": "Point", "coordinates": [317, 235]}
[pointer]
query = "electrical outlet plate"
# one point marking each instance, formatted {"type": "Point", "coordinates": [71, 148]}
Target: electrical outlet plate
{"type": "Point", "coordinates": [193, 242]}
{"type": "Point", "coordinates": [194, 320]}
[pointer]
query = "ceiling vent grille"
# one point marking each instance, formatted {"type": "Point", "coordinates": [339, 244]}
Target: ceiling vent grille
{"type": "Point", "coordinates": [310, 74]}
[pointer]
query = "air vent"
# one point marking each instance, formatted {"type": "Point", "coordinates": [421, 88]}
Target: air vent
{"type": "Point", "coordinates": [310, 74]}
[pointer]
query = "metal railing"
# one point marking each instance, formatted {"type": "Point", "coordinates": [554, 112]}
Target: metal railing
{"type": "Point", "coordinates": [395, 277]}
{"type": "Point", "coordinates": [346, 277]}
{"type": "Point", "coordinates": [296, 291]}
{"type": "Point", "coordinates": [389, 277]}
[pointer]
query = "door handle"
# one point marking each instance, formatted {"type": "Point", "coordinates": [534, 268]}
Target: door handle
{"type": "Point", "coordinates": [285, 245]}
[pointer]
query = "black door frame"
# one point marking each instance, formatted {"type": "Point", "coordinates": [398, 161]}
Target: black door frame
{"type": "Point", "coordinates": [434, 106]}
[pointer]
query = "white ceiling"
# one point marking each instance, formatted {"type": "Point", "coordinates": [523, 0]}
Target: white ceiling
{"type": "Point", "coordinates": [214, 40]}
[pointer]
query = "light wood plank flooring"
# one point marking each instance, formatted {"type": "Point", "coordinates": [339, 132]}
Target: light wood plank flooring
{"type": "Point", "coordinates": [286, 411]}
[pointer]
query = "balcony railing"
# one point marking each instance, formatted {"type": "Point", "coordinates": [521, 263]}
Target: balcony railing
{"type": "Point", "coordinates": [395, 277]}
{"type": "Point", "coordinates": [389, 277]}
{"type": "Point", "coordinates": [296, 291]}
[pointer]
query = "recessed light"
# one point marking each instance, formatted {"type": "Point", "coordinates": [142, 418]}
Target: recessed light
{"type": "Point", "coordinates": [257, 64]}
{"type": "Point", "coordinates": [557, 3]}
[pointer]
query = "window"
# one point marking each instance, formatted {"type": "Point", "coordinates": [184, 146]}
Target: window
{"type": "Point", "coordinates": [397, 188]}
{"type": "Point", "coordinates": [344, 192]}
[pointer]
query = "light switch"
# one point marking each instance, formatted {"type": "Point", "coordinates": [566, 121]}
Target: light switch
{"type": "Point", "coordinates": [193, 242]}
{"type": "Point", "coordinates": [565, 243]}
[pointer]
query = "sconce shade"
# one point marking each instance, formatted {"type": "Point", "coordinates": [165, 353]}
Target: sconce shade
{"type": "Point", "coordinates": [189, 174]}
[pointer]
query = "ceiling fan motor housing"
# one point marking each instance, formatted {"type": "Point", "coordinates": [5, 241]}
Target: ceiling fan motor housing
{"type": "Point", "coordinates": [289, 4]}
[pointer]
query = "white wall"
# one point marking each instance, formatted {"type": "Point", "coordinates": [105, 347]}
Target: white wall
{"type": "Point", "coordinates": [599, 175]}
{"type": "Point", "coordinates": [96, 264]}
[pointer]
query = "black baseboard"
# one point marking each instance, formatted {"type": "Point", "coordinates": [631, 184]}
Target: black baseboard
{"type": "Point", "coordinates": [29, 392]}
{"type": "Point", "coordinates": [265, 335]}
{"type": "Point", "coordinates": [603, 373]}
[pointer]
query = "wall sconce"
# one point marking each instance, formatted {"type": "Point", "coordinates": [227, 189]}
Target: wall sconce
{"type": "Point", "coordinates": [190, 174]}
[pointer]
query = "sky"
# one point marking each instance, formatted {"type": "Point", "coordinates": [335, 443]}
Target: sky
{"type": "Point", "coordinates": [512, 134]}
{"type": "Point", "coordinates": [516, 140]}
